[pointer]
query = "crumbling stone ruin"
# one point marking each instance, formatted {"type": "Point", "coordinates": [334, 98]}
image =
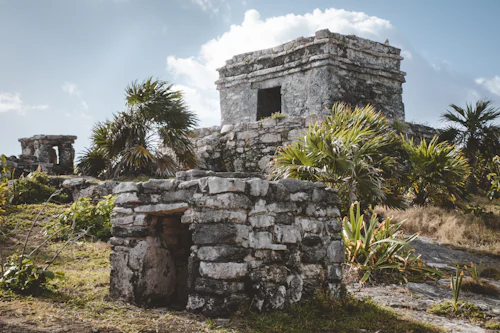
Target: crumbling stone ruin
{"type": "Point", "coordinates": [307, 75]}
{"type": "Point", "coordinates": [54, 154]}
{"type": "Point", "coordinates": [225, 237]}
{"type": "Point", "coordinates": [218, 241]}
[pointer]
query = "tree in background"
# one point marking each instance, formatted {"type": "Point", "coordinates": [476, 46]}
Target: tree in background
{"type": "Point", "coordinates": [473, 130]}
{"type": "Point", "coordinates": [149, 138]}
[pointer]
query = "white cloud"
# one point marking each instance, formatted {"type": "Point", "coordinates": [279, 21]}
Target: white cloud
{"type": "Point", "coordinates": [71, 89]}
{"type": "Point", "coordinates": [198, 74]}
{"type": "Point", "coordinates": [492, 85]}
{"type": "Point", "coordinates": [209, 5]}
{"type": "Point", "coordinates": [14, 102]}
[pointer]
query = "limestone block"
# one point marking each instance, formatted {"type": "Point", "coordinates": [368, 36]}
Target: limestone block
{"type": "Point", "coordinates": [224, 201]}
{"type": "Point", "coordinates": [312, 271]}
{"type": "Point", "coordinates": [270, 273]}
{"type": "Point", "coordinates": [122, 220]}
{"type": "Point", "coordinates": [313, 254]}
{"type": "Point", "coordinates": [207, 215]}
{"type": "Point", "coordinates": [226, 128]}
{"type": "Point", "coordinates": [126, 199]}
{"type": "Point", "coordinates": [126, 187]}
{"type": "Point", "coordinates": [299, 196]}
{"type": "Point", "coordinates": [310, 225]}
{"type": "Point", "coordinates": [334, 272]}
{"type": "Point", "coordinates": [224, 288]}
{"type": "Point", "coordinates": [160, 184]}
{"type": "Point", "coordinates": [130, 231]}
{"type": "Point", "coordinates": [295, 285]}
{"type": "Point", "coordinates": [282, 207]}
{"type": "Point", "coordinates": [163, 208]}
{"type": "Point", "coordinates": [263, 240]}
{"type": "Point", "coordinates": [247, 135]}
{"type": "Point", "coordinates": [295, 134]}
{"type": "Point", "coordinates": [287, 234]}
{"type": "Point", "coordinates": [268, 123]}
{"type": "Point", "coordinates": [296, 185]}
{"type": "Point", "coordinates": [206, 234]}
{"type": "Point", "coordinates": [176, 196]}
{"type": "Point", "coordinates": [335, 252]}
{"type": "Point", "coordinates": [222, 185]}
{"type": "Point", "coordinates": [261, 221]}
{"type": "Point", "coordinates": [223, 271]}
{"type": "Point", "coordinates": [270, 138]}
{"type": "Point", "coordinates": [258, 187]}
{"type": "Point", "coordinates": [121, 277]}
{"type": "Point", "coordinates": [221, 253]}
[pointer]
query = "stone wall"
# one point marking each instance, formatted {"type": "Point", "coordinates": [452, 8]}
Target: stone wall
{"type": "Point", "coordinates": [250, 147]}
{"type": "Point", "coordinates": [219, 241]}
{"type": "Point", "coordinates": [313, 73]}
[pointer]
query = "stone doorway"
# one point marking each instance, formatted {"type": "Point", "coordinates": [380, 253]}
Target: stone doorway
{"type": "Point", "coordinates": [166, 262]}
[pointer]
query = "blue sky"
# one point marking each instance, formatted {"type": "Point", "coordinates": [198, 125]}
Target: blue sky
{"type": "Point", "coordinates": [64, 64]}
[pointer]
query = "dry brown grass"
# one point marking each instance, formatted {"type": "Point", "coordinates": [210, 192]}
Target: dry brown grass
{"type": "Point", "coordinates": [448, 227]}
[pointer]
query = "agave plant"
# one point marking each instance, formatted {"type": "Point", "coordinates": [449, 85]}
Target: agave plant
{"type": "Point", "coordinates": [437, 172]}
{"type": "Point", "coordinates": [354, 149]}
{"type": "Point", "coordinates": [150, 137]}
{"type": "Point", "coordinates": [379, 246]}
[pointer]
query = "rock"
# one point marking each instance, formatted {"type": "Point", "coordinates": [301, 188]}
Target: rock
{"type": "Point", "coordinates": [206, 234]}
{"type": "Point", "coordinates": [222, 185]}
{"type": "Point", "coordinates": [126, 187]}
{"type": "Point", "coordinates": [221, 253]}
{"type": "Point", "coordinates": [223, 271]}
{"type": "Point", "coordinates": [258, 187]}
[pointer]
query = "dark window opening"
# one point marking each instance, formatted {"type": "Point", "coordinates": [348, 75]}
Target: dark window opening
{"type": "Point", "coordinates": [268, 102]}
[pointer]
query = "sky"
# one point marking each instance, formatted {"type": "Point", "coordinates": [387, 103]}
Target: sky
{"type": "Point", "coordinates": [65, 64]}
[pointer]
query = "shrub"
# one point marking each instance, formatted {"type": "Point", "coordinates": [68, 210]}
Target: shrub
{"type": "Point", "coordinates": [84, 215]}
{"type": "Point", "coordinates": [354, 149]}
{"type": "Point", "coordinates": [437, 173]}
{"type": "Point", "coordinates": [24, 277]}
{"type": "Point", "coordinates": [34, 188]}
{"type": "Point", "coordinates": [378, 246]}
{"type": "Point", "coordinates": [494, 178]}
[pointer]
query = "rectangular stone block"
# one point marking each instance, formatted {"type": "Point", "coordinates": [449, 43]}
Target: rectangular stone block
{"type": "Point", "coordinates": [261, 221]}
{"type": "Point", "coordinates": [156, 185]}
{"type": "Point", "coordinates": [263, 240]}
{"type": "Point", "coordinates": [207, 215]}
{"type": "Point", "coordinates": [223, 271]}
{"type": "Point", "coordinates": [159, 209]}
{"type": "Point", "coordinates": [222, 253]}
{"type": "Point", "coordinates": [224, 288]}
{"type": "Point", "coordinates": [126, 187]}
{"type": "Point", "coordinates": [287, 234]}
{"type": "Point", "coordinates": [205, 234]}
{"type": "Point", "coordinates": [224, 201]}
{"type": "Point", "coordinates": [127, 199]}
{"type": "Point", "coordinates": [222, 185]}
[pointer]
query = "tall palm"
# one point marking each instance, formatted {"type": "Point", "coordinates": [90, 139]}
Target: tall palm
{"type": "Point", "coordinates": [474, 130]}
{"type": "Point", "coordinates": [149, 138]}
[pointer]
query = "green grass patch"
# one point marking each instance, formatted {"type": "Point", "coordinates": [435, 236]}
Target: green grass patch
{"type": "Point", "coordinates": [480, 287]}
{"type": "Point", "coordinates": [491, 273]}
{"type": "Point", "coordinates": [325, 315]}
{"type": "Point", "coordinates": [465, 310]}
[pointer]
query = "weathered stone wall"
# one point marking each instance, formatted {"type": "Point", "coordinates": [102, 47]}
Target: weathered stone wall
{"type": "Point", "coordinates": [314, 73]}
{"type": "Point", "coordinates": [252, 242]}
{"type": "Point", "coordinates": [246, 147]}
{"type": "Point", "coordinates": [250, 147]}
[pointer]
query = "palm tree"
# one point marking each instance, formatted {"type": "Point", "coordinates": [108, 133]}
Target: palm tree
{"type": "Point", "coordinates": [354, 150]}
{"type": "Point", "coordinates": [149, 138]}
{"type": "Point", "coordinates": [472, 129]}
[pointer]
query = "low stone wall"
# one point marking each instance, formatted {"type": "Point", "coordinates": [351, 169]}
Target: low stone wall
{"type": "Point", "coordinates": [250, 147]}
{"type": "Point", "coordinates": [218, 241]}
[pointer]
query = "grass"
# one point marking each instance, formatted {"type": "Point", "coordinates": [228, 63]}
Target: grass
{"type": "Point", "coordinates": [491, 273]}
{"type": "Point", "coordinates": [79, 300]}
{"type": "Point", "coordinates": [322, 315]}
{"type": "Point", "coordinates": [465, 310]}
{"type": "Point", "coordinates": [450, 227]}
{"type": "Point", "coordinates": [480, 287]}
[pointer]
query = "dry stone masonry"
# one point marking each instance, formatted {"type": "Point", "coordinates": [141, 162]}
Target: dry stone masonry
{"type": "Point", "coordinates": [220, 241]}
{"type": "Point", "coordinates": [304, 76]}
{"type": "Point", "coordinates": [54, 154]}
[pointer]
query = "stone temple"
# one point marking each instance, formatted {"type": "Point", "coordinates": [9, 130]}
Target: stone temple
{"type": "Point", "coordinates": [223, 238]}
{"type": "Point", "coordinates": [307, 75]}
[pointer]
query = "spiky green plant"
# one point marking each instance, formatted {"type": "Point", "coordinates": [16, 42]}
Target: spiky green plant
{"type": "Point", "coordinates": [455, 285]}
{"type": "Point", "coordinates": [380, 246]}
{"type": "Point", "coordinates": [437, 172]}
{"type": "Point", "coordinates": [354, 149]}
{"type": "Point", "coordinates": [149, 138]}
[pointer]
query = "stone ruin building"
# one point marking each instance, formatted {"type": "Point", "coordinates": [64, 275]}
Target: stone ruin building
{"type": "Point", "coordinates": [54, 154]}
{"type": "Point", "coordinates": [224, 237]}
{"type": "Point", "coordinates": [307, 75]}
